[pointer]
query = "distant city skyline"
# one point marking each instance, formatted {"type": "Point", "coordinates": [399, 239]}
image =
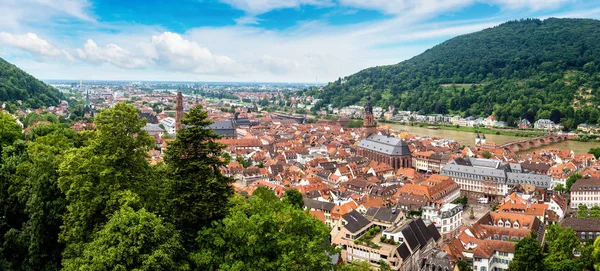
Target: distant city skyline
{"type": "Point", "coordinates": [278, 41]}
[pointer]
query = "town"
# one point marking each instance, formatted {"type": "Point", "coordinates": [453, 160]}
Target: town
{"type": "Point", "coordinates": [408, 201]}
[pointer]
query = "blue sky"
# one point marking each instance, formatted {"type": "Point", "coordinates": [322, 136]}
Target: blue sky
{"type": "Point", "coordinates": [243, 40]}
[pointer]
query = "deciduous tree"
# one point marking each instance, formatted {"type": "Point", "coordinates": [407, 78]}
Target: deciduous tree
{"type": "Point", "coordinates": [264, 233]}
{"type": "Point", "coordinates": [96, 176]}
{"type": "Point", "coordinates": [528, 256]}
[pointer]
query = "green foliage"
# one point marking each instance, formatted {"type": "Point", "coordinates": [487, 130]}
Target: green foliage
{"type": "Point", "coordinates": [528, 256]}
{"type": "Point", "coordinates": [264, 234]}
{"type": "Point", "coordinates": [195, 186]}
{"type": "Point", "coordinates": [560, 188]}
{"type": "Point", "coordinates": [10, 130]}
{"type": "Point", "coordinates": [464, 266]}
{"type": "Point", "coordinates": [595, 212]}
{"type": "Point", "coordinates": [244, 162]}
{"type": "Point", "coordinates": [33, 117]}
{"type": "Point", "coordinates": [596, 254]}
{"type": "Point", "coordinates": [595, 152]}
{"type": "Point", "coordinates": [16, 85]}
{"type": "Point", "coordinates": [572, 179]}
{"type": "Point", "coordinates": [356, 265]}
{"type": "Point", "coordinates": [91, 201]}
{"type": "Point", "coordinates": [132, 240]}
{"type": "Point", "coordinates": [520, 69]}
{"type": "Point", "coordinates": [560, 244]}
{"type": "Point", "coordinates": [98, 177]}
{"type": "Point", "coordinates": [294, 198]}
{"type": "Point", "coordinates": [586, 259]}
{"type": "Point", "coordinates": [582, 211]}
{"type": "Point", "coordinates": [495, 206]}
{"type": "Point", "coordinates": [354, 124]}
{"type": "Point", "coordinates": [461, 200]}
{"type": "Point", "coordinates": [486, 154]}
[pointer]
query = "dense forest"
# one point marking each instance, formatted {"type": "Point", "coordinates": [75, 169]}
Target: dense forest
{"type": "Point", "coordinates": [92, 201]}
{"type": "Point", "coordinates": [17, 85]}
{"type": "Point", "coordinates": [529, 69]}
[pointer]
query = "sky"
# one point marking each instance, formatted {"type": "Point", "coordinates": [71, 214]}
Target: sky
{"type": "Point", "coordinates": [243, 40]}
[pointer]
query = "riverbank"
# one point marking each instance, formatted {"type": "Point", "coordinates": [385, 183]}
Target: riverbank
{"type": "Point", "coordinates": [489, 131]}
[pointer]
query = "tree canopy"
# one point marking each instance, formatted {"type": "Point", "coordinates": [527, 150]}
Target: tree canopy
{"type": "Point", "coordinates": [17, 85]}
{"type": "Point", "coordinates": [92, 201]}
{"type": "Point", "coordinates": [527, 69]}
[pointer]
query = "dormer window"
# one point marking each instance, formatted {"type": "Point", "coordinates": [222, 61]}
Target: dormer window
{"type": "Point", "coordinates": [500, 223]}
{"type": "Point", "coordinates": [516, 225]}
{"type": "Point", "coordinates": [507, 224]}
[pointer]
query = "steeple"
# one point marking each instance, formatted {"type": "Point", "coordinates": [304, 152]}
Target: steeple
{"type": "Point", "coordinates": [178, 111]}
{"type": "Point", "coordinates": [369, 120]}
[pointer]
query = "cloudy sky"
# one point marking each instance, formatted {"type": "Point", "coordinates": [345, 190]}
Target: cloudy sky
{"type": "Point", "coordinates": [243, 40]}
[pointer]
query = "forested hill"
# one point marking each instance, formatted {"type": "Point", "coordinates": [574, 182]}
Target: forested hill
{"type": "Point", "coordinates": [15, 84]}
{"type": "Point", "coordinates": [519, 69]}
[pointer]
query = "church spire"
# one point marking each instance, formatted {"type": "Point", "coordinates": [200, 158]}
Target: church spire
{"type": "Point", "coordinates": [178, 111]}
{"type": "Point", "coordinates": [369, 119]}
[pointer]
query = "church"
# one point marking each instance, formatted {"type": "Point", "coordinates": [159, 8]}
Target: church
{"type": "Point", "coordinates": [383, 149]}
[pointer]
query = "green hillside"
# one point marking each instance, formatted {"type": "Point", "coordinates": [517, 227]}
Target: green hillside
{"type": "Point", "coordinates": [520, 69]}
{"type": "Point", "coordinates": [15, 84]}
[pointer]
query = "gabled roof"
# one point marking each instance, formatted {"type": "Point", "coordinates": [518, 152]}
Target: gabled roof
{"type": "Point", "coordinates": [433, 232]}
{"type": "Point", "coordinates": [385, 144]}
{"type": "Point", "coordinates": [383, 214]}
{"type": "Point", "coordinates": [403, 251]}
{"type": "Point", "coordinates": [355, 221]}
{"type": "Point", "coordinates": [410, 238]}
{"type": "Point", "coordinates": [318, 205]}
{"type": "Point", "coordinates": [582, 224]}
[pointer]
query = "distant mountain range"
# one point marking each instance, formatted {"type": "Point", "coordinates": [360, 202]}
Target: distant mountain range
{"type": "Point", "coordinates": [529, 69]}
{"type": "Point", "coordinates": [17, 85]}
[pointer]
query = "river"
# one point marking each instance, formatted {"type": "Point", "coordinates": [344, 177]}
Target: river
{"type": "Point", "coordinates": [468, 138]}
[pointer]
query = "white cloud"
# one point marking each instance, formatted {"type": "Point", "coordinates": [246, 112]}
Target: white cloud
{"type": "Point", "coordinates": [247, 52]}
{"type": "Point", "coordinates": [529, 4]}
{"type": "Point", "coordinates": [18, 14]}
{"type": "Point", "coordinates": [112, 54]}
{"type": "Point", "coordinates": [32, 43]}
{"type": "Point", "coordinates": [176, 53]}
{"type": "Point", "coordinates": [256, 7]}
{"type": "Point", "coordinates": [74, 8]}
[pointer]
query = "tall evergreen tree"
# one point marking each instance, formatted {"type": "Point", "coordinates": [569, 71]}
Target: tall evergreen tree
{"type": "Point", "coordinates": [196, 193]}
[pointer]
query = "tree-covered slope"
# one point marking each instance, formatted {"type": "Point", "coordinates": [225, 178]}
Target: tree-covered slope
{"type": "Point", "coordinates": [15, 84]}
{"type": "Point", "coordinates": [519, 69]}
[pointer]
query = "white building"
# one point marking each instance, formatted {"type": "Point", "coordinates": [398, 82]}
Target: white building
{"type": "Point", "coordinates": [546, 124]}
{"type": "Point", "coordinates": [169, 124]}
{"type": "Point", "coordinates": [586, 192]}
{"type": "Point", "coordinates": [447, 219]}
{"type": "Point", "coordinates": [492, 255]}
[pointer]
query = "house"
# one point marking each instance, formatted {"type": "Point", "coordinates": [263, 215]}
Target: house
{"type": "Point", "coordinates": [586, 192]}
{"type": "Point", "coordinates": [169, 124]}
{"type": "Point", "coordinates": [584, 127]}
{"type": "Point", "coordinates": [402, 245]}
{"type": "Point", "coordinates": [493, 255]}
{"type": "Point", "coordinates": [546, 124]}
{"type": "Point", "coordinates": [585, 228]}
{"type": "Point", "coordinates": [524, 124]}
{"type": "Point", "coordinates": [325, 207]}
{"type": "Point", "coordinates": [490, 121]}
{"type": "Point", "coordinates": [154, 130]}
{"type": "Point", "coordinates": [446, 219]}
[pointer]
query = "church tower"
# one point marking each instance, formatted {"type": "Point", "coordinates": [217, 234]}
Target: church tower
{"type": "Point", "coordinates": [178, 112]}
{"type": "Point", "coordinates": [369, 119]}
